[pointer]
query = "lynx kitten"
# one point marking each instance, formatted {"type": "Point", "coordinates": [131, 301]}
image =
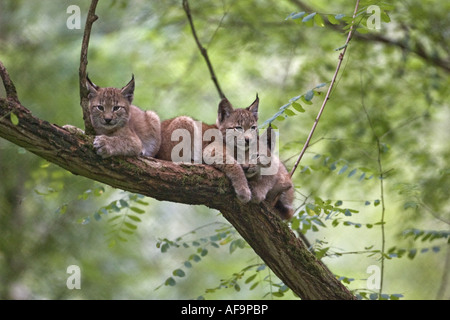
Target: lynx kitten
{"type": "Point", "coordinates": [206, 143]}
{"type": "Point", "coordinates": [239, 130]}
{"type": "Point", "coordinates": [277, 188]}
{"type": "Point", "coordinates": [122, 128]}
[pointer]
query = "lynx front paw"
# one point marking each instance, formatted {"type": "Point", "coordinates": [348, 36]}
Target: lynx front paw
{"type": "Point", "coordinates": [257, 198]}
{"type": "Point", "coordinates": [102, 147]}
{"type": "Point", "coordinates": [244, 195]}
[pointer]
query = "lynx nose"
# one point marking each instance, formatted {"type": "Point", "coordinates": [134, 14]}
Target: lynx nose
{"type": "Point", "coordinates": [108, 120]}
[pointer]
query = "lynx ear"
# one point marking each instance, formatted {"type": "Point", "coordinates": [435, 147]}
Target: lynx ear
{"type": "Point", "coordinates": [91, 87]}
{"type": "Point", "coordinates": [128, 90]}
{"type": "Point", "coordinates": [253, 108]}
{"type": "Point", "coordinates": [225, 109]}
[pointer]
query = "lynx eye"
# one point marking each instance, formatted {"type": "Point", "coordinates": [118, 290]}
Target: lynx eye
{"type": "Point", "coordinates": [254, 127]}
{"type": "Point", "coordinates": [100, 107]}
{"type": "Point", "coordinates": [116, 108]}
{"type": "Point", "coordinates": [239, 129]}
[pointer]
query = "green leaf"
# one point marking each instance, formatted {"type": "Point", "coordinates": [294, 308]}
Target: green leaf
{"type": "Point", "coordinates": [134, 218]}
{"type": "Point", "coordinates": [130, 225]}
{"type": "Point", "coordinates": [289, 113]}
{"type": "Point", "coordinates": [62, 209]}
{"type": "Point", "coordinates": [250, 279]}
{"type": "Point", "coordinates": [14, 119]}
{"type": "Point", "coordinates": [352, 173]}
{"type": "Point", "coordinates": [297, 15]}
{"type": "Point", "coordinates": [195, 257]}
{"type": "Point", "coordinates": [179, 273]}
{"type": "Point", "coordinates": [170, 282]}
{"type": "Point", "coordinates": [238, 243]}
{"type": "Point", "coordinates": [332, 19]}
{"type": "Point", "coordinates": [298, 107]}
{"type": "Point", "coordinates": [309, 95]}
{"type": "Point", "coordinates": [137, 210]}
{"type": "Point", "coordinates": [318, 20]}
{"type": "Point", "coordinates": [343, 169]}
{"type": "Point", "coordinates": [362, 30]}
{"type": "Point", "coordinates": [385, 17]}
{"type": "Point", "coordinates": [412, 253]}
{"type": "Point", "coordinates": [203, 252]}
{"type": "Point", "coordinates": [309, 17]}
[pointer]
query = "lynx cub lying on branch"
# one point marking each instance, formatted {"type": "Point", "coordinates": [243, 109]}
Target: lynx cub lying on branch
{"type": "Point", "coordinates": [232, 146]}
{"type": "Point", "coordinates": [121, 128]}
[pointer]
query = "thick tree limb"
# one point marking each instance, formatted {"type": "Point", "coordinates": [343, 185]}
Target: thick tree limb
{"type": "Point", "coordinates": [259, 225]}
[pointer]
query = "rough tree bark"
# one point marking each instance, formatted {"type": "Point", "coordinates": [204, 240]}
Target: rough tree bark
{"type": "Point", "coordinates": [193, 184]}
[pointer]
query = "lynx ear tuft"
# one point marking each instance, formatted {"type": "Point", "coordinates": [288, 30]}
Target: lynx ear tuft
{"type": "Point", "coordinates": [225, 109]}
{"type": "Point", "coordinates": [253, 108]}
{"type": "Point", "coordinates": [128, 90]}
{"type": "Point", "coordinates": [92, 88]}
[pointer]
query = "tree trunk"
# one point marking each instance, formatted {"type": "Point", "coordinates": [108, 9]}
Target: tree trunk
{"type": "Point", "coordinates": [259, 225]}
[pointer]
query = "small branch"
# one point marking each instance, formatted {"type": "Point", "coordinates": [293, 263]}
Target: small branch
{"type": "Point", "coordinates": [91, 18]}
{"type": "Point", "coordinates": [10, 89]}
{"type": "Point", "coordinates": [203, 51]}
{"type": "Point", "coordinates": [333, 80]}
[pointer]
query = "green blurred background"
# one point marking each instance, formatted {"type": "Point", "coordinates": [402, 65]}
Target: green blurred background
{"type": "Point", "coordinates": [394, 85]}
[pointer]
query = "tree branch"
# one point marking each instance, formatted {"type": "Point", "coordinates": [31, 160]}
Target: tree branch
{"type": "Point", "coordinates": [10, 89]}
{"type": "Point", "coordinates": [417, 48]}
{"type": "Point", "coordinates": [327, 96]}
{"type": "Point", "coordinates": [84, 101]}
{"type": "Point", "coordinates": [203, 51]}
{"type": "Point", "coordinates": [259, 225]}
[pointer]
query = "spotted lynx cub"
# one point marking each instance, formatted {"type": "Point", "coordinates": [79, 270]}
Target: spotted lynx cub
{"type": "Point", "coordinates": [120, 127]}
{"type": "Point", "coordinates": [276, 188]}
{"type": "Point", "coordinates": [206, 143]}
{"type": "Point", "coordinates": [239, 130]}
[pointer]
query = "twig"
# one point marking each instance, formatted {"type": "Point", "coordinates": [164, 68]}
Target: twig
{"type": "Point", "coordinates": [203, 51]}
{"type": "Point", "coordinates": [10, 89]}
{"type": "Point", "coordinates": [91, 18]}
{"type": "Point", "coordinates": [333, 80]}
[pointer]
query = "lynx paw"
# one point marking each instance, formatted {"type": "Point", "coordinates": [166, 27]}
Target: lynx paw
{"type": "Point", "coordinates": [244, 195]}
{"type": "Point", "coordinates": [102, 146]}
{"type": "Point", "coordinates": [257, 198]}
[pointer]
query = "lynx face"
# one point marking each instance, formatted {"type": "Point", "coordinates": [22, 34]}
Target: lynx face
{"type": "Point", "coordinates": [239, 127]}
{"type": "Point", "coordinates": [109, 107]}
